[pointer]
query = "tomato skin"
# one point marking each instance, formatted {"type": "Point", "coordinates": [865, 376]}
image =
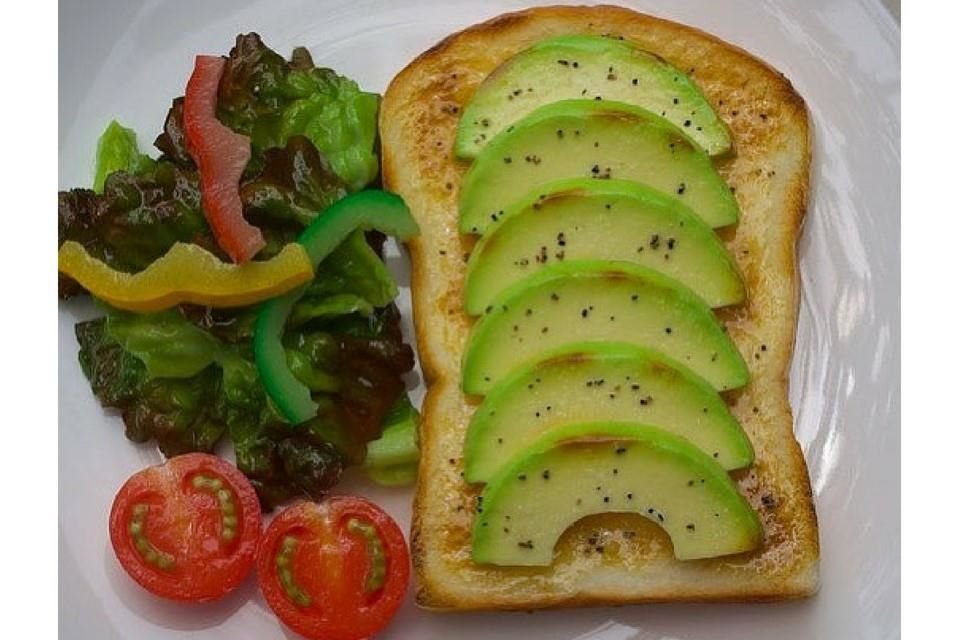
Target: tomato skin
{"type": "Point", "coordinates": [221, 155]}
{"type": "Point", "coordinates": [330, 564]}
{"type": "Point", "coordinates": [186, 524]}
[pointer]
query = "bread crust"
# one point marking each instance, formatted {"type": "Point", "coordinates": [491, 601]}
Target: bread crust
{"type": "Point", "coordinates": [769, 170]}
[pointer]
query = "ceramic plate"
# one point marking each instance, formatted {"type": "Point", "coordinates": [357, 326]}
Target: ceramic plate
{"type": "Point", "coordinates": [126, 59]}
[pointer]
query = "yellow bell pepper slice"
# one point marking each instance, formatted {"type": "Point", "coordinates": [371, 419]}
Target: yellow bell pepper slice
{"type": "Point", "coordinates": [187, 273]}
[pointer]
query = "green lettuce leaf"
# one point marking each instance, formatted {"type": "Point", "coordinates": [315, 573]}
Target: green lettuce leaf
{"type": "Point", "coordinates": [117, 151]}
{"type": "Point", "coordinates": [340, 119]}
{"type": "Point", "coordinates": [353, 268]}
{"type": "Point", "coordinates": [168, 345]}
{"type": "Point", "coordinates": [180, 414]}
{"type": "Point", "coordinates": [270, 100]}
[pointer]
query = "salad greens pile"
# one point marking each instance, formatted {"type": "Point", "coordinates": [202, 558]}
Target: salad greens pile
{"type": "Point", "coordinates": [185, 377]}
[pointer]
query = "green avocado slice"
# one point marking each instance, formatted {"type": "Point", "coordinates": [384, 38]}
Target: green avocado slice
{"type": "Point", "coordinates": [598, 140]}
{"type": "Point", "coordinates": [598, 301]}
{"type": "Point", "coordinates": [591, 67]}
{"type": "Point", "coordinates": [602, 467]}
{"type": "Point", "coordinates": [584, 219]}
{"type": "Point", "coordinates": [599, 382]}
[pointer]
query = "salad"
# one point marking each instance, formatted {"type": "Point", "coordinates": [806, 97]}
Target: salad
{"type": "Point", "coordinates": [185, 251]}
{"type": "Point", "coordinates": [245, 299]}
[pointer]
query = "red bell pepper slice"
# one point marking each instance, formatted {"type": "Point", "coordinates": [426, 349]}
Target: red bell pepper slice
{"type": "Point", "coordinates": [221, 156]}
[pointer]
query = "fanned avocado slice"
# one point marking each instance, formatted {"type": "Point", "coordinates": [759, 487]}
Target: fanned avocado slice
{"type": "Point", "coordinates": [599, 382]}
{"type": "Point", "coordinates": [591, 67]}
{"type": "Point", "coordinates": [599, 301]}
{"type": "Point", "coordinates": [584, 219]}
{"type": "Point", "coordinates": [591, 139]}
{"type": "Point", "coordinates": [586, 469]}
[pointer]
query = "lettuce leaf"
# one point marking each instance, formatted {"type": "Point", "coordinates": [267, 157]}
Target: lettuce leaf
{"type": "Point", "coordinates": [180, 414]}
{"type": "Point", "coordinates": [117, 151]}
{"type": "Point", "coordinates": [340, 119]}
{"type": "Point", "coordinates": [353, 268]}
{"type": "Point", "coordinates": [270, 100]}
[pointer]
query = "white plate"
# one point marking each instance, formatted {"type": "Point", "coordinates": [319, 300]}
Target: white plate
{"type": "Point", "coordinates": [126, 60]}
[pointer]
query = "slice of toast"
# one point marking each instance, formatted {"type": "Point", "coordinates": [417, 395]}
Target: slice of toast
{"type": "Point", "coordinates": [596, 563]}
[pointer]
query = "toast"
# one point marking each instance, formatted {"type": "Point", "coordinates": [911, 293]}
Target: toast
{"type": "Point", "coordinates": [769, 171]}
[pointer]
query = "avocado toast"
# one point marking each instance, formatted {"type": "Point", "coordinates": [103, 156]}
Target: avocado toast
{"type": "Point", "coordinates": [613, 557]}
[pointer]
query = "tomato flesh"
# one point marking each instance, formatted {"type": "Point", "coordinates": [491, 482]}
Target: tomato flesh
{"type": "Point", "coordinates": [337, 570]}
{"type": "Point", "coordinates": [188, 529]}
{"type": "Point", "coordinates": [221, 156]}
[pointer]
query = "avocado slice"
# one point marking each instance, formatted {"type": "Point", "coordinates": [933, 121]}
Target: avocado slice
{"type": "Point", "coordinates": [585, 469]}
{"type": "Point", "coordinates": [584, 219]}
{"type": "Point", "coordinates": [594, 382]}
{"type": "Point", "coordinates": [599, 301]}
{"type": "Point", "coordinates": [598, 140]}
{"type": "Point", "coordinates": [591, 67]}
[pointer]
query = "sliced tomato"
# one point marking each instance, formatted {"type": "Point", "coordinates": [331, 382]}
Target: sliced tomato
{"type": "Point", "coordinates": [337, 570]}
{"type": "Point", "coordinates": [188, 529]}
{"type": "Point", "coordinates": [221, 156]}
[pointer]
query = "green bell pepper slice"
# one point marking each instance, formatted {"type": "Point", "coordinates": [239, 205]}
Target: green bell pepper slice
{"type": "Point", "coordinates": [366, 210]}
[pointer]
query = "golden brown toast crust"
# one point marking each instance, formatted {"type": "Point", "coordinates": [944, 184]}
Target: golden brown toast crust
{"type": "Point", "coordinates": [769, 171]}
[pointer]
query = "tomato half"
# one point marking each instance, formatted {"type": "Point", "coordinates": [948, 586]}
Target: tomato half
{"type": "Point", "coordinates": [337, 570]}
{"type": "Point", "coordinates": [188, 529]}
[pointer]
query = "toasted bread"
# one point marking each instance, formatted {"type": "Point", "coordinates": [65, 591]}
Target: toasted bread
{"type": "Point", "coordinates": [596, 563]}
